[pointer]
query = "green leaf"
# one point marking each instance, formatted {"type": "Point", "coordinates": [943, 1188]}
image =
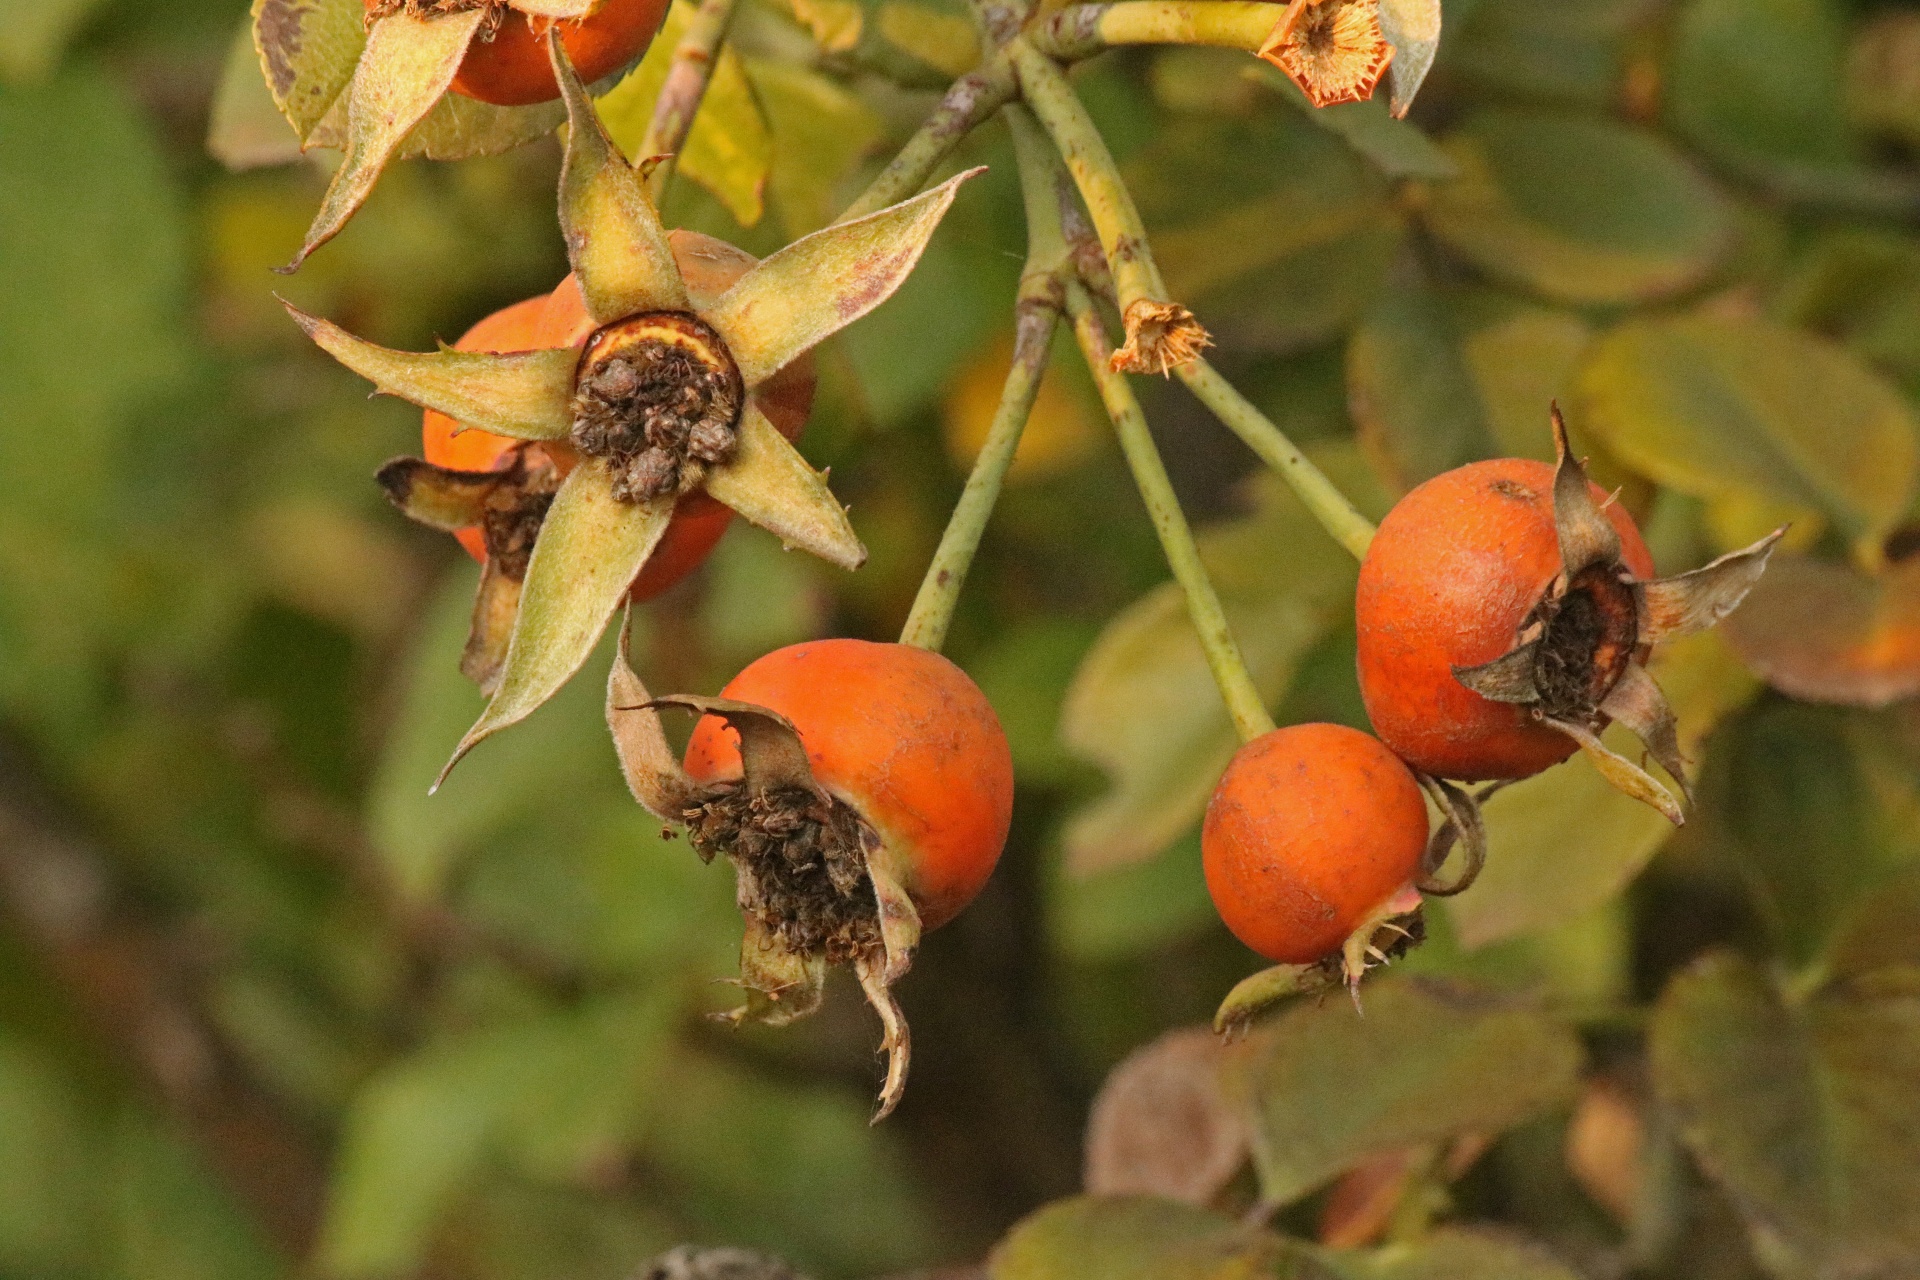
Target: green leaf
{"type": "Point", "coordinates": [1579, 210]}
{"type": "Point", "coordinates": [1426, 1062]}
{"type": "Point", "coordinates": [1728, 409]}
{"type": "Point", "coordinates": [1806, 1110]}
{"type": "Point", "coordinates": [1143, 705]}
{"type": "Point", "coordinates": [1571, 53]}
{"type": "Point", "coordinates": [1412, 393]}
{"type": "Point", "coordinates": [246, 130]}
{"type": "Point", "coordinates": [171, 1217]}
{"type": "Point", "coordinates": [1453, 1254]}
{"type": "Point", "coordinates": [1563, 842]}
{"type": "Point", "coordinates": [729, 148]}
{"type": "Point", "coordinates": [1272, 222]}
{"type": "Point", "coordinates": [308, 50]}
{"type": "Point", "coordinates": [1396, 148]}
{"type": "Point", "coordinates": [1860, 287]}
{"type": "Point", "coordinates": [1134, 1238]}
{"type": "Point", "coordinates": [1758, 85]}
{"type": "Point", "coordinates": [1819, 807]}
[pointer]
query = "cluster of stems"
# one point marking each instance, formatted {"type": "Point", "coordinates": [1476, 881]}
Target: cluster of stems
{"type": "Point", "coordinates": [1087, 252]}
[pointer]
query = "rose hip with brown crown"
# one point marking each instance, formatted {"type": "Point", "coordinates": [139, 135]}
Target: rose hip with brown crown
{"type": "Point", "coordinates": [1311, 845]}
{"type": "Point", "coordinates": [500, 488]}
{"type": "Point", "coordinates": [506, 64]}
{"type": "Point", "coordinates": [863, 793]}
{"type": "Point", "coordinates": [1505, 610]}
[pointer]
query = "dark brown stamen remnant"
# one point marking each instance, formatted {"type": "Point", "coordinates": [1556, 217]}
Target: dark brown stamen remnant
{"type": "Point", "coordinates": [1586, 641]}
{"type": "Point", "coordinates": [496, 10]}
{"type": "Point", "coordinates": [515, 508]}
{"type": "Point", "coordinates": [658, 396]}
{"type": "Point", "coordinates": [801, 859]}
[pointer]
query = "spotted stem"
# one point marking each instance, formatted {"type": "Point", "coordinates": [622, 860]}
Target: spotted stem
{"type": "Point", "coordinates": [694, 59]}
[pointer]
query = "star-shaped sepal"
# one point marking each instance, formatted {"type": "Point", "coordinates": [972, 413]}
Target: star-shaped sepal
{"type": "Point", "coordinates": [817, 883]}
{"type": "Point", "coordinates": [659, 402]}
{"type": "Point", "coordinates": [1577, 662]}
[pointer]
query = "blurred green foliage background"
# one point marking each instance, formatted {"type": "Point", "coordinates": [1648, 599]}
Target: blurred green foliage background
{"type": "Point", "coordinates": [267, 1009]}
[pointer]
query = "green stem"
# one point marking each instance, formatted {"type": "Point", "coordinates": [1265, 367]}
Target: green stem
{"type": "Point", "coordinates": [1328, 505]}
{"type": "Point", "coordinates": [1116, 219]}
{"type": "Point", "coordinates": [1036, 313]}
{"type": "Point", "coordinates": [1082, 30]}
{"type": "Point", "coordinates": [1244, 703]}
{"type": "Point", "coordinates": [968, 103]}
{"type": "Point", "coordinates": [694, 59]}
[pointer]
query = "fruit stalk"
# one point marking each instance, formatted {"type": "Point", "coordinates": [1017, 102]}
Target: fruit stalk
{"type": "Point", "coordinates": [1329, 506]}
{"type": "Point", "coordinates": [968, 103]}
{"type": "Point", "coordinates": [686, 84]}
{"type": "Point", "coordinates": [1083, 30]}
{"type": "Point", "coordinates": [1036, 314]}
{"type": "Point", "coordinates": [1244, 703]}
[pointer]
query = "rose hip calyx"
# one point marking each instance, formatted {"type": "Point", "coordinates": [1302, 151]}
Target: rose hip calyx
{"type": "Point", "coordinates": [659, 396]}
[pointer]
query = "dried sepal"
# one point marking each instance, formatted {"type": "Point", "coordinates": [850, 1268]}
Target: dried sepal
{"type": "Point", "coordinates": [896, 1042]}
{"type": "Point", "coordinates": [409, 62]}
{"type": "Point", "coordinates": [648, 763]}
{"type": "Point", "coordinates": [782, 985]}
{"type": "Point", "coordinates": [1161, 336]}
{"type": "Point", "coordinates": [1636, 702]}
{"type": "Point", "coordinates": [796, 298]}
{"type": "Point", "coordinates": [590, 548]}
{"type": "Point", "coordinates": [522, 394]}
{"type": "Point", "coordinates": [1412, 27]}
{"type": "Point", "coordinates": [1508, 678]}
{"type": "Point", "coordinates": [614, 238]}
{"type": "Point", "coordinates": [1334, 50]}
{"type": "Point", "coordinates": [899, 918]}
{"type": "Point", "coordinates": [769, 483]}
{"type": "Point", "coordinates": [1587, 537]}
{"type": "Point", "coordinates": [1623, 773]}
{"type": "Point", "coordinates": [1460, 824]}
{"type": "Point", "coordinates": [1378, 939]}
{"type": "Point", "coordinates": [772, 757]}
{"type": "Point", "coordinates": [438, 497]}
{"type": "Point", "coordinates": [1680, 606]}
{"type": "Point", "coordinates": [495, 606]}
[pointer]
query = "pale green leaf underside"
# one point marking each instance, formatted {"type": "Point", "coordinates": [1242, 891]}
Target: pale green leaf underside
{"type": "Point", "coordinates": [522, 394]}
{"type": "Point", "coordinates": [590, 549]}
{"type": "Point", "coordinates": [816, 286]}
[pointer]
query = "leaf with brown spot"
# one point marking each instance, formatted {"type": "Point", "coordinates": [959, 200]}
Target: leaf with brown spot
{"type": "Point", "coordinates": [308, 50]}
{"type": "Point", "coordinates": [408, 63]}
{"type": "Point", "coordinates": [1163, 1123]}
{"type": "Point", "coordinates": [1826, 632]}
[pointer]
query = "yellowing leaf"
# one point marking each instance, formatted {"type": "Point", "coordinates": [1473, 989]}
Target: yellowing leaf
{"type": "Point", "coordinates": [944, 41]}
{"type": "Point", "coordinates": [820, 132]}
{"type": "Point", "coordinates": [1719, 407]}
{"type": "Point", "coordinates": [1064, 427]}
{"type": "Point", "coordinates": [835, 24]}
{"type": "Point", "coordinates": [729, 149]}
{"type": "Point", "coordinates": [1133, 1238]}
{"type": "Point", "coordinates": [308, 49]}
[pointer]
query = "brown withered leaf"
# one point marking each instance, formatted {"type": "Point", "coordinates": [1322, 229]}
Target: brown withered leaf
{"type": "Point", "coordinates": [1606, 1146]}
{"type": "Point", "coordinates": [1164, 1125]}
{"type": "Point", "coordinates": [1826, 632]}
